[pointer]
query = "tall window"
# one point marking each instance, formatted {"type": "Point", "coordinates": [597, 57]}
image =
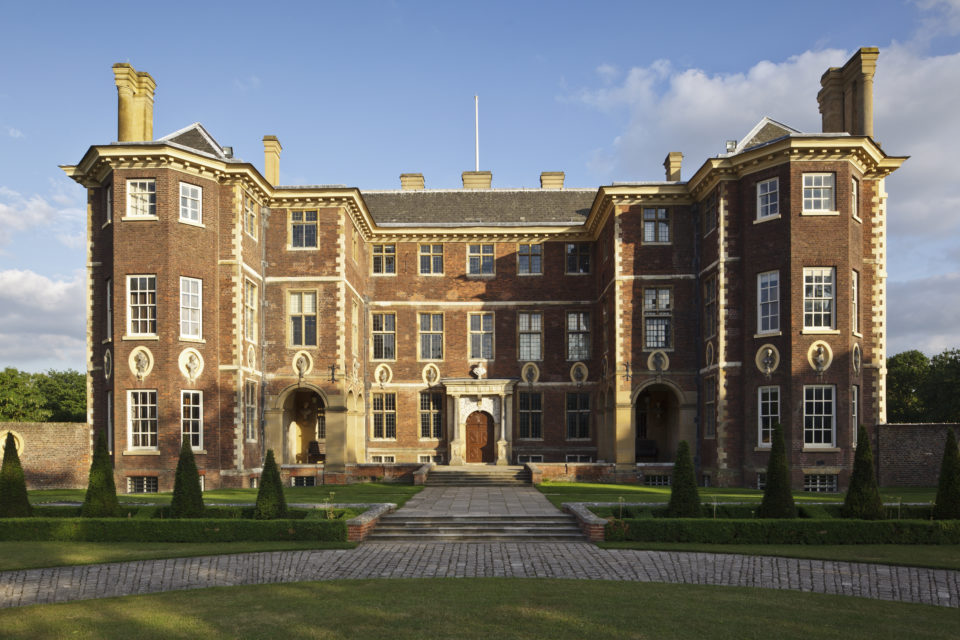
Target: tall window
{"type": "Point", "coordinates": [710, 306]}
{"type": "Point", "coordinates": [819, 414]}
{"type": "Point", "coordinates": [250, 408]}
{"type": "Point", "coordinates": [385, 259]}
{"type": "Point", "coordinates": [385, 415]}
{"type": "Point", "coordinates": [431, 415]}
{"type": "Point", "coordinates": [109, 306]}
{"type": "Point", "coordinates": [530, 335]}
{"type": "Point", "coordinates": [578, 257]}
{"type": "Point", "coordinates": [530, 259]}
{"type": "Point", "coordinates": [141, 198]}
{"type": "Point", "coordinates": [578, 335]}
{"type": "Point", "coordinates": [578, 416]}
{"type": "Point", "coordinates": [818, 297]}
{"type": "Point", "coordinates": [855, 301]}
{"type": "Point", "coordinates": [108, 202]}
{"type": "Point", "coordinates": [657, 318]}
{"type": "Point", "coordinates": [250, 207]}
{"type": "Point", "coordinates": [768, 198]}
{"type": "Point", "coordinates": [709, 214]}
{"type": "Point", "coordinates": [480, 259]}
{"type": "Point", "coordinates": [191, 418]}
{"type": "Point", "coordinates": [250, 311]}
{"type": "Point", "coordinates": [303, 318]}
{"type": "Point", "coordinates": [142, 419]}
{"type": "Point", "coordinates": [768, 413]}
{"type": "Point", "coordinates": [110, 421]}
{"type": "Point", "coordinates": [431, 336]}
{"type": "Point", "coordinates": [854, 413]}
{"type": "Point", "coordinates": [481, 336]}
{"type": "Point", "coordinates": [656, 225]}
{"type": "Point", "coordinates": [710, 407]}
{"type": "Point", "coordinates": [303, 229]}
{"type": "Point", "coordinates": [818, 192]}
{"type": "Point", "coordinates": [768, 302]}
{"type": "Point", "coordinates": [384, 336]}
{"type": "Point", "coordinates": [191, 203]}
{"type": "Point", "coordinates": [855, 198]}
{"type": "Point", "coordinates": [431, 259]}
{"type": "Point", "coordinates": [355, 328]}
{"type": "Point", "coordinates": [142, 305]}
{"type": "Point", "coordinates": [530, 415]}
{"type": "Point", "coordinates": [191, 307]}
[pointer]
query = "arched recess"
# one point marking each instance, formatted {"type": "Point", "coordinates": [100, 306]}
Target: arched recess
{"type": "Point", "coordinates": [661, 419]}
{"type": "Point", "coordinates": [304, 424]}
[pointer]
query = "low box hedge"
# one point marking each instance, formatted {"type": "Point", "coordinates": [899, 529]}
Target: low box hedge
{"type": "Point", "coordinates": [798, 531]}
{"type": "Point", "coordinates": [168, 530]}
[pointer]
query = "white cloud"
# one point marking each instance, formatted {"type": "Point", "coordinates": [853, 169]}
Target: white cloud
{"type": "Point", "coordinates": [942, 19]}
{"type": "Point", "coordinates": [250, 83]}
{"type": "Point", "coordinates": [922, 314]}
{"type": "Point", "coordinates": [13, 132]}
{"type": "Point", "coordinates": [19, 213]}
{"type": "Point", "coordinates": [608, 73]}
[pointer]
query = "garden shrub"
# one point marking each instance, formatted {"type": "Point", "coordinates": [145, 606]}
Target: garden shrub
{"type": "Point", "coordinates": [863, 495]}
{"type": "Point", "coordinates": [270, 501]}
{"type": "Point", "coordinates": [13, 486]}
{"type": "Point", "coordinates": [101, 498]}
{"type": "Point", "coordinates": [187, 501]}
{"type": "Point", "coordinates": [777, 497]}
{"type": "Point", "coordinates": [816, 511]}
{"type": "Point", "coordinates": [947, 504]}
{"type": "Point", "coordinates": [684, 498]}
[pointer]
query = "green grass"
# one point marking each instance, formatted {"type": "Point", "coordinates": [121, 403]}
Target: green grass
{"type": "Point", "coordinates": [482, 608]}
{"type": "Point", "coordinates": [34, 555]}
{"type": "Point", "coordinates": [945, 556]}
{"type": "Point", "coordinates": [560, 492]}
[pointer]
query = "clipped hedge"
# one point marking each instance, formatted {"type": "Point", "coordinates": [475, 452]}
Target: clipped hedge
{"type": "Point", "coordinates": [801, 531]}
{"type": "Point", "coordinates": [176, 530]}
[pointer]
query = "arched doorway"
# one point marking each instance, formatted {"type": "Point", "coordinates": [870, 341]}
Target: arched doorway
{"type": "Point", "coordinates": [657, 414]}
{"type": "Point", "coordinates": [307, 428]}
{"type": "Point", "coordinates": [480, 437]}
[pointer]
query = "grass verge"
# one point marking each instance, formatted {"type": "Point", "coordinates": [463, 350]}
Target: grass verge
{"type": "Point", "coordinates": [481, 608]}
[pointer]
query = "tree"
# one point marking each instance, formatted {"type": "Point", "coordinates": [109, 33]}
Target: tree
{"type": "Point", "coordinates": [65, 395]}
{"type": "Point", "coordinates": [271, 503]}
{"type": "Point", "coordinates": [939, 393]}
{"type": "Point", "coordinates": [684, 498]}
{"type": "Point", "coordinates": [20, 397]}
{"type": "Point", "coordinates": [907, 374]}
{"type": "Point", "coordinates": [777, 497]}
{"type": "Point", "coordinates": [863, 495]}
{"type": "Point", "coordinates": [187, 499]}
{"type": "Point", "coordinates": [101, 498]}
{"type": "Point", "coordinates": [948, 489]}
{"type": "Point", "coordinates": [13, 486]}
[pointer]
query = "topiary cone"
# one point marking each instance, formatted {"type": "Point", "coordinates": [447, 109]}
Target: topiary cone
{"type": "Point", "coordinates": [948, 488]}
{"type": "Point", "coordinates": [13, 486]}
{"type": "Point", "coordinates": [187, 499]}
{"type": "Point", "coordinates": [777, 497]}
{"type": "Point", "coordinates": [863, 495]}
{"type": "Point", "coordinates": [271, 503]}
{"type": "Point", "coordinates": [684, 497]}
{"type": "Point", "coordinates": [101, 499]}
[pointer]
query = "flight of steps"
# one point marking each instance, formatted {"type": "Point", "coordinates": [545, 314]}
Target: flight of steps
{"type": "Point", "coordinates": [486, 475]}
{"type": "Point", "coordinates": [396, 527]}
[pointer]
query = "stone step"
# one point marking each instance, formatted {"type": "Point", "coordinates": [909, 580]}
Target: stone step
{"type": "Point", "coordinates": [397, 527]}
{"type": "Point", "coordinates": [468, 536]}
{"type": "Point", "coordinates": [394, 519]}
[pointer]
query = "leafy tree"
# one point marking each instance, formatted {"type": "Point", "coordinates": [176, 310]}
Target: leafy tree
{"type": "Point", "coordinates": [684, 497]}
{"type": "Point", "coordinates": [187, 501]}
{"type": "Point", "coordinates": [21, 399]}
{"type": "Point", "coordinates": [101, 499]}
{"type": "Point", "coordinates": [907, 374]}
{"type": "Point", "coordinates": [271, 503]}
{"type": "Point", "coordinates": [777, 497]}
{"type": "Point", "coordinates": [863, 495]}
{"type": "Point", "coordinates": [65, 395]}
{"type": "Point", "coordinates": [939, 393]}
{"type": "Point", "coordinates": [13, 486]}
{"type": "Point", "coordinates": [948, 489]}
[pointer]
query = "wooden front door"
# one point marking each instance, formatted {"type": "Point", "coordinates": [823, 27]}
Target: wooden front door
{"type": "Point", "coordinates": [480, 437]}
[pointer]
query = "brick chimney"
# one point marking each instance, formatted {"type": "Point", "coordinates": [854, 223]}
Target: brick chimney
{"type": "Point", "coordinates": [477, 179]}
{"type": "Point", "coordinates": [551, 180]}
{"type": "Point", "coordinates": [271, 159]}
{"type": "Point", "coordinates": [846, 95]}
{"type": "Point", "coordinates": [672, 166]}
{"type": "Point", "coordinates": [134, 103]}
{"type": "Point", "coordinates": [411, 182]}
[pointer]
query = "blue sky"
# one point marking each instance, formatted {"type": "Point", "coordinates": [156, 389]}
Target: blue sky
{"type": "Point", "coordinates": [360, 92]}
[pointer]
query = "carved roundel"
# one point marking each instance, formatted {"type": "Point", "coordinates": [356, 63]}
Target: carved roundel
{"type": "Point", "coordinates": [857, 359]}
{"type": "Point", "coordinates": [708, 356]}
{"type": "Point", "coordinates": [820, 356]}
{"type": "Point", "coordinates": [190, 363]}
{"type": "Point", "coordinates": [107, 364]}
{"type": "Point", "coordinates": [430, 374]}
{"type": "Point", "coordinates": [302, 364]}
{"type": "Point", "coordinates": [141, 362]}
{"type": "Point", "coordinates": [251, 357]}
{"type": "Point", "coordinates": [579, 373]}
{"type": "Point", "coordinates": [383, 374]}
{"type": "Point", "coordinates": [17, 441]}
{"type": "Point", "coordinates": [767, 359]}
{"type": "Point", "coordinates": [530, 373]}
{"type": "Point", "coordinates": [658, 357]}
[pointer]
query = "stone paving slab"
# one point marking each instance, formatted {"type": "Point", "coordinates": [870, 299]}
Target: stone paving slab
{"type": "Point", "coordinates": [473, 560]}
{"type": "Point", "coordinates": [494, 501]}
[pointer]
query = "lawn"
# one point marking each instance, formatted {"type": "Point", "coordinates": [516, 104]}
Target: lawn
{"type": "Point", "coordinates": [482, 608]}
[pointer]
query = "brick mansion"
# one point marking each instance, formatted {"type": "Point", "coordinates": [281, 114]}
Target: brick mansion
{"type": "Point", "coordinates": [363, 333]}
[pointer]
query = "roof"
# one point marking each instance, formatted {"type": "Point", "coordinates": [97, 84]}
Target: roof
{"type": "Point", "coordinates": [196, 138]}
{"type": "Point", "coordinates": [469, 207]}
{"type": "Point", "coordinates": [764, 131]}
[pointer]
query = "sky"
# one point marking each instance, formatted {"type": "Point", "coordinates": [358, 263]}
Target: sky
{"type": "Point", "coordinates": [360, 92]}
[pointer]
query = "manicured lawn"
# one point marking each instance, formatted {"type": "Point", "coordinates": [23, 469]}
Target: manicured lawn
{"type": "Point", "coordinates": [482, 608]}
{"type": "Point", "coordinates": [359, 493]}
{"type": "Point", "coordinates": [946, 556]}
{"type": "Point", "coordinates": [33, 555]}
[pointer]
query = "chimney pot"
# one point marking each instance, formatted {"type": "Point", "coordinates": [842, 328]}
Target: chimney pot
{"type": "Point", "coordinates": [846, 95]}
{"type": "Point", "coordinates": [477, 179]}
{"type": "Point", "coordinates": [672, 166]}
{"type": "Point", "coordinates": [551, 180]}
{"type": "Point", "coordinates": [271, 159]}
{"type": "Point", "coordinates": [134, 103]}
{"type": "Point", "coordinates": [411, 181]}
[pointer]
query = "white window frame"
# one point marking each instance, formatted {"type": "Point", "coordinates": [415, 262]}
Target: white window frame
{"type": "Point", "coordinates": [147, 484]}
{"type": "Point", "coordinates": [819, 193]}
{"type": "Point", "coordinates": [523, 458]}
{"type": "Point", "coordinates": [818, 288]}
{"type": "Point", "coordinates": [530, 416]}
{"type": "Point", "coordinates": [250, 215]}
{"type": "Point", "coordinates": [768, 199]}
{"type": "Point", "coordinates": [855, 301]}
{"type": "Point", "coordinates": [431, 415]}
{"type": "Point", "coordinates": [251, 310]}
{"type": "Point", "coordinates": [381, 459]}
{"type": "Point", "coordinates": [191, 304]}
{"type": "Point", "coordinates": [529, 336]}
{"type": "Point", "coordinates": [192, 425]}
{"type": "Point", "coordinates": [430, 327]}
{"type": "Point", "coordinates": [431, 255]}
{"type": "Point", "coordinates": [820, 482]}
{"type": "Point", "coordinates": [387, 332]}
{"type": "Point", "coordinates": [819, 425]}
{"type": "Point", "coordinates": [109, 307]}
{"type": "Point", "coordinates": [768, 414]}
{"type": "Point", "coordinates": [710, 306]}
{"type": "Point", "coordinates": [530, 259]}
{"type": "Point", "coordinates": [710, 407]}
{"type": "Point", "coordinates": [191, 203]}
{"type": "Point", "coordinates": [656, 312]}
{"type": "Point", "coordinates": [481, 350]}
{"type": "Point", "coordinates": [383, 415]}
{"type": "Point", "coordinates": [142, 198]}
{"type": "Point", "coordinates": [768, 302]}
{"type": "Point", "coordinates": [854, 412]}
{"type": "Point", "coordinates": [250, 402]}
{"type": "Point", "coordinates": [578, 335]}
{"type": "Point", "coordinates": [146, 421]}
{"type": "Point", "coordinates": [298, 314]}
{"type": "Point", "coordinates": [146, 300]}
{"type": "Point", "coordinates": [108, 204]}
{"type": "Point", "coordinates": [481, 259]}
{"type": "Point", "coordinates": [384, 260]}
{"type": "Point", "coordinates": [855, 199]}
{"type": "Point", "coordinates": [109, 401]}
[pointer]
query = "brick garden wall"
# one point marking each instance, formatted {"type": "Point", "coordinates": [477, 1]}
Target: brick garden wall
{"type": "Point", "coordinates": [909, 455]}
{"type": "Point", "coordinates": [54, 455]}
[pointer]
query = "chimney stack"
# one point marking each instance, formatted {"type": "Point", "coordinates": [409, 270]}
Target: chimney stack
{"type": "Point", "coordinates": [134, 103]}
{"type": "Point", "coordinates": [411, 182]}
{"type": "Point", "coordinates": [271, 159]}
{"type": "Point", "coordinates": [551, 180]}
{"type": "Point", "coordinates": [672, 165]}
{"type": "Point", "coordinates": [846, 96]}
{"type": "Point", "coordinates": [477, 179]}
